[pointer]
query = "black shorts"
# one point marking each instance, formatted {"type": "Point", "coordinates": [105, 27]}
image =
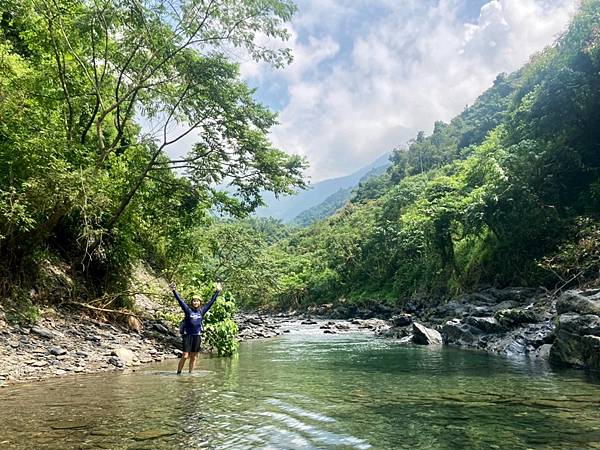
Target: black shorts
{"type": "Point", "coordinates": [191, 343]}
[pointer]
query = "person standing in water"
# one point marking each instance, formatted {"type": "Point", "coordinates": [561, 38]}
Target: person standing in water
{"type": "Point", "coordinates": [191, 331]}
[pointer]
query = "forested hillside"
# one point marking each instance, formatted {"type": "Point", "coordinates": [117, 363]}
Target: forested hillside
{"type": "Point", "coordinates": [92, 95]}
{"type": "Point", "coordinates": [507, 193]}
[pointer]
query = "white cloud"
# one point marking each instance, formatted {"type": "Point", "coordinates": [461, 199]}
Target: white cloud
{"type": "Point", "coordinates": [358, 88]}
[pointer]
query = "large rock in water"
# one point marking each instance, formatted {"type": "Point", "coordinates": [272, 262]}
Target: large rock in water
{"type": "Point", "coordinates": [577, 342]}
{"type": "Point", "coordinates": [425, 336]}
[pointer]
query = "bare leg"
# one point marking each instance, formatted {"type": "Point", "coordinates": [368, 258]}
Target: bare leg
{"type": "Point", "coordinates": [193, 357]}
{"type": "Point", "coordinates": [185, 356]}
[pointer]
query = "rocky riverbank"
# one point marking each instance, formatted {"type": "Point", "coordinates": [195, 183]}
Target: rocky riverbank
{"type": "Point", "coordinates": [565, 329]}
{"type": "Point", "coordinates": [67, 342]}
{"type": "Point", "coordinates": [255, 326]}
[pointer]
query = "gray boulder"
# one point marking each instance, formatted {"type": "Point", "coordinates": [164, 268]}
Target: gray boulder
{"type": "Point", "coordinates": [425, 336]}
{"type": "Point", "coordinates": [485, 324]}
{"type": "Point", "coordinates": [402, 320]}
{"type": "Point", "coordinates": [580, 302]}
{"type": "Point", "coordinates": [124, 354]}
{"type": "Point", "coordinates": [590, 346]}
{"type": "Point", "coordinates": [393, 332]}
{"type": "Point", "coordinates": [480, 311]}
{"type": "Point", "coordinates": [458, 333]}
{"type": "Point", "coordinates": [453, 308]}
{"type": "Point", "coordinates": [576, 344]}
{"type": "Point", "coordinates": [511, 318]}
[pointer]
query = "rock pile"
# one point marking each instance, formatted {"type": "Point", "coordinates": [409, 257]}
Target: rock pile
{"type": "Point", "coordinates": [257, 326]}
{"type": "Point", "coordinates": [72, 343]}
{"type": "Point", "coordinates": [512, 321]}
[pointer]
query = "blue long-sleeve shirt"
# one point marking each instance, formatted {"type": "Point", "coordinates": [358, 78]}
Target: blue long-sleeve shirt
{"type": "Point", "coordinates": [194, 317]}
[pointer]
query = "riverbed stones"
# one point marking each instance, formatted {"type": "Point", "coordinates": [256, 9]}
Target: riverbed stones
{"type": "Point", "coordinates": [425, 336]}
{"type": "Point", "coordinates": [254, 327]}
{"type": "Point", "coordinates": [154, 434]}
{"type": "Point", "coordinates": [26, 353]}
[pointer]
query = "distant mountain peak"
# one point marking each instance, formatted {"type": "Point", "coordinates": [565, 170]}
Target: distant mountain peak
{"type": "Point", "coordinates": [287, 208]}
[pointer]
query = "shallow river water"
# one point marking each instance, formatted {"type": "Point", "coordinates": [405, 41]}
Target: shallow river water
{"type": "Point", "coordinates": [308, 390]}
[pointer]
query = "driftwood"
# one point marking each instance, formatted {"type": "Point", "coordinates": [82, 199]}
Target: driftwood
{"type": "Point", "coordinates": [95, 308]}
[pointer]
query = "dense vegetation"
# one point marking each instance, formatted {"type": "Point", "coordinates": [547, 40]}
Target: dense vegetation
{"type": "Point", "coordinates": [507, 193]}
{"type": "Point", "coordinates": [92, 96]}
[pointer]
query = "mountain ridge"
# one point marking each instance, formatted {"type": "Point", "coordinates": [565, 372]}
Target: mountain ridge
{"type": "Point", "coordinates": [288, 208]}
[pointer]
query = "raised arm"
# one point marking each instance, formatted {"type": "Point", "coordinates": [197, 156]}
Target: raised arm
{"type": "Point", "coordinates": [206, 307]}
{"type": "Point", "coordinates": [184, 306]}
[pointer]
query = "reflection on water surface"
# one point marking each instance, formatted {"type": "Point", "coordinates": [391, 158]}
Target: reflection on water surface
{"type": "Point", "coordinates": [309, 390]}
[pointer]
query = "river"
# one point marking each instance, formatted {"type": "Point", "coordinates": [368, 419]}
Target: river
{"type": "Point", "coordinates": [310, 390]}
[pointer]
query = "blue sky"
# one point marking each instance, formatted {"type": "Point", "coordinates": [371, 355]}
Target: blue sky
{"type": "Point", "coordinates": [369, 74]}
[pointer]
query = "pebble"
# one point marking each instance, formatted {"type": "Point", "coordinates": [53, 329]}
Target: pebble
{"type": "Point", "coordinates": [57, 351]}
{"type": "Point", "coordinates": [115, 361]}
{"type": "Point", "coordinates": [42, 332]}
{"type": "Point", "coordinates": [39, 363]}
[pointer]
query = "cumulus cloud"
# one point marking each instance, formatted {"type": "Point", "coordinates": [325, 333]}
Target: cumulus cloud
{"type": "Point", "coordinates": [368, 75]}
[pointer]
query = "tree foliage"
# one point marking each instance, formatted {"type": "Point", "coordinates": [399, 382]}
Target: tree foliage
{"type": "Point", "coordinates": [506, 193]}
{"type": "Point", "coordinates": [93, 94]}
